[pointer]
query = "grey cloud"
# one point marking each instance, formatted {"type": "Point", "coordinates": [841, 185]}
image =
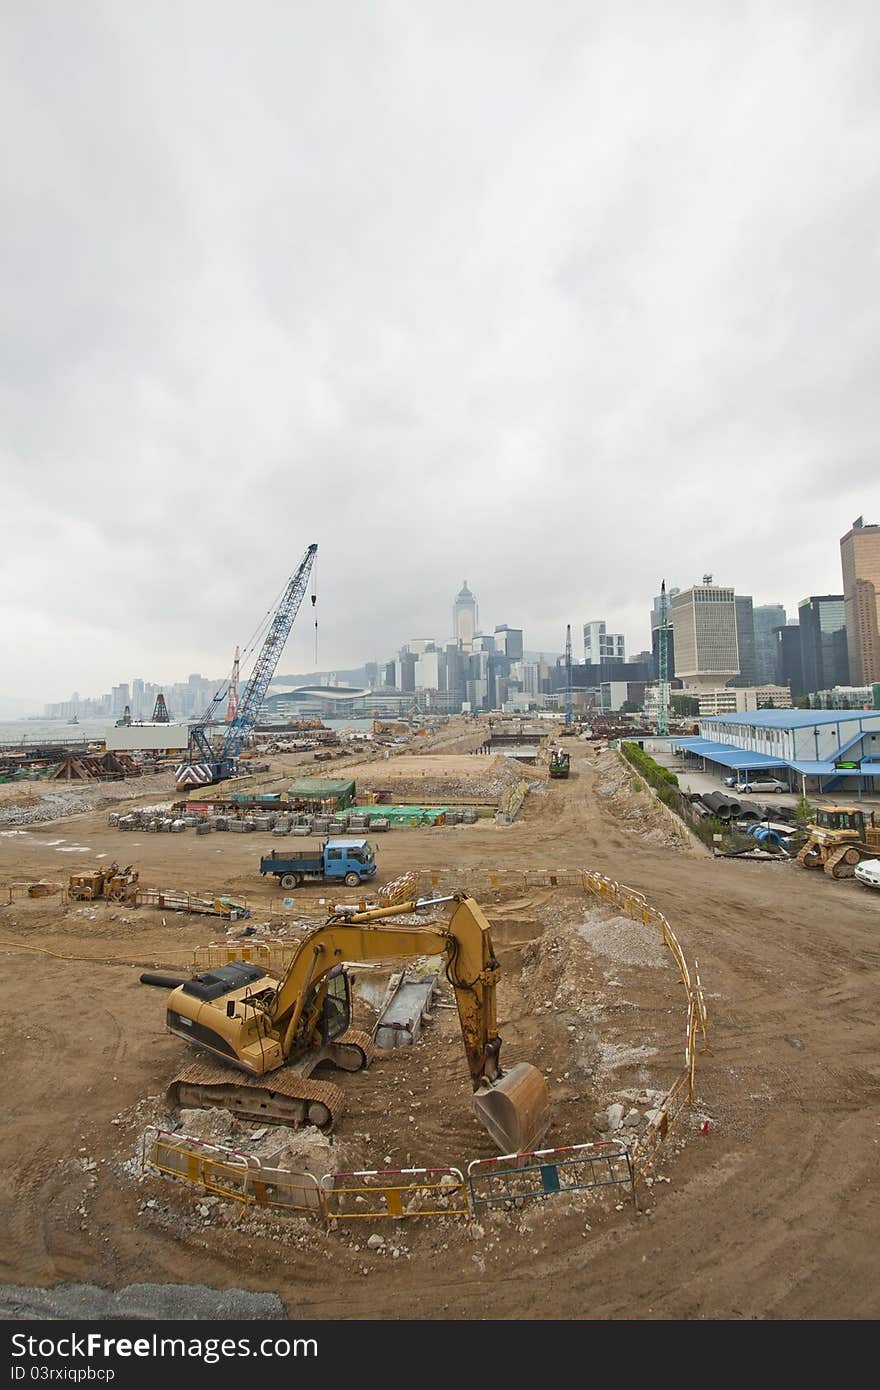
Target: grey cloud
{"type": "Point", "coordinates": [563, 299]}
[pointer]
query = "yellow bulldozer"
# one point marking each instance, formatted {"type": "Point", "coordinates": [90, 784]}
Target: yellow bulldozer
{"type": "Point", "coordinates": [263, 1035]}
{"type": "Point", "coordinates": [839, 837]}
{"type": "Point", "coordinates": [109, 882]}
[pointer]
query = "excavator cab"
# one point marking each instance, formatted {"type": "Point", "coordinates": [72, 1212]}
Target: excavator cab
{"type": "Point", "coordinates": [336, 1009]}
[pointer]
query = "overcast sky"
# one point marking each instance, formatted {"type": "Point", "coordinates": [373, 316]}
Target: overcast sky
{"type": "Point", "coordinates": [559, 298]}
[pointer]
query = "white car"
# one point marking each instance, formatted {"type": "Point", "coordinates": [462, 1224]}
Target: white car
{"type": "Point", "coordinates": [761, 784]}
{"type": "Point", "coordinates": [868, 872]}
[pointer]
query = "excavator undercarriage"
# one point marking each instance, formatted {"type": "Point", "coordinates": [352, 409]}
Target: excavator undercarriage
{"type": "Point", "coordinates": [287, 1096]}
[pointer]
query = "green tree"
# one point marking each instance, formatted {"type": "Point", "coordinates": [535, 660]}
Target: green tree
{"type": "Point", "coordinates": [684, 705]}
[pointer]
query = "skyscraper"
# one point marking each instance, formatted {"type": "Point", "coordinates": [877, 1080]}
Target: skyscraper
{"type": "Point", "coordinates": [789, 658]}
{"type": "Point", "coordinates": [704, 626]}
{"type": "Point", "coordinates": [745, 640]}
{"type": "Point", "coordinates": [464, 616]}
{"type": "Point", "coordinates": [860, 562]}
{"type": "Point", "coordinates": [824, 655]}
{"type": "Point", "coordinates": [510, 641]}
{"type": "Point", "coordinates": [670, 636]}
{"type": "Point", "coordinates": [600, 645]}
{"type": "Point", "coordinates": [766, 617]}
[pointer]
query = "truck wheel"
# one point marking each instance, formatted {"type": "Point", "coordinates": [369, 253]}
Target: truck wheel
{"type": "Point", "coordinates": [288, 881]}
{"type": "Point", "coordinates": [352, 880]}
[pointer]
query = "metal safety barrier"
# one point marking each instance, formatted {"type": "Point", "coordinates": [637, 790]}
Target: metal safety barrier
{"type": "Point", "coordinates": [219, 1170]}
{"type": "Point", "coordinates": [396, 1193]}
{"type": "Point", "coordinates": [229, 1174]}
{"type": "Point", "coordinates": [548, 1172]}
{"type": "Point", "coordinates": [34, 890]}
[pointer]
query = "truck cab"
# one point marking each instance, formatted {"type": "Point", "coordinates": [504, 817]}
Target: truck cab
{"type": "Point", "coordinates": [345, 857]}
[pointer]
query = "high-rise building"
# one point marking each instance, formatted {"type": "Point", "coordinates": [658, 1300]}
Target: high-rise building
{"type": "Point", "coordinates": [456, 675]}
{"type": "Point", "coordinates": [745, 640]}
{"type": "Point", "coordinates": [464, 616]}
{"type": "Point", "coordinates": [405, 670]}
{"type": "Point", "coordinates": [822, 621]}
{"type": "Point", "coordinates": [767, 618]}
{"type": "Point", "coordinates": [121, 698]}
{"type": "Point", "coordinates": [655, 638]}
{"type": "Point", "coordinates": [600, 645]}
{"type": "Point", "coordinates": [509, 640]}
{"type": "Point", "coordinates": [427, 672]}
{"type": "Point", "coordinates": [860, 562]}
{"type": "Point", "coordinates": [704, 627]}
{"type": "Point", "coordinates": [789, 660]}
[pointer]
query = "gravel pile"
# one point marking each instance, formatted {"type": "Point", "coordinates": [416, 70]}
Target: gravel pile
{"type": "Point", "coordinates": [144, 1302]}
{"type": "Point", "coordinates": [624, 941]}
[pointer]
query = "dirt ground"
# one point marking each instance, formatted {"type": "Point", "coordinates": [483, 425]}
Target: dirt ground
{"type": "Point", "coordinates": [772, 1213]}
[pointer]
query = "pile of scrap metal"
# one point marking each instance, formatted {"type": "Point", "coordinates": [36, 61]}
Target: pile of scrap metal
{"type": "Point", "coordinates": [177, 900]}
{"type": "Point", "coordinates": [95, 767]}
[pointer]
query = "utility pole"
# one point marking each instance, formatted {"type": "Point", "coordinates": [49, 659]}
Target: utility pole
{"type": "Point", "coordinates": [663, 665]}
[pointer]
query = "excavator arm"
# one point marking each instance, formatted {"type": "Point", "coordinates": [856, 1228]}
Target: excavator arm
{"type": "Point", "coordinates": [471, 969]}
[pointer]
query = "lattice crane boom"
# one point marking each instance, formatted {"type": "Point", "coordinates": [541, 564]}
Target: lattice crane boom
{"type": "Point", "coordinates": [203, 765]}
{"type": "Point", "coordinates": [569, 713]}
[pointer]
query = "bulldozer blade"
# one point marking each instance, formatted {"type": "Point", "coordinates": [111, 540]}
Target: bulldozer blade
{"type": "Point", "coordinates": [516, 1109]}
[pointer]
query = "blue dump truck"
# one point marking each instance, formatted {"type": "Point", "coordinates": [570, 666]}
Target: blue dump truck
{"type": "Point", "coordinates": [352, 861]}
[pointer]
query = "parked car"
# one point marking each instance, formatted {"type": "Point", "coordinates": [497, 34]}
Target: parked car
{"type": "Point", "coordinates": [761, 784]}
{"type": "Point", "coordinates": [868, 872]}
{"type": "Point", "coordinates": [730, 781]}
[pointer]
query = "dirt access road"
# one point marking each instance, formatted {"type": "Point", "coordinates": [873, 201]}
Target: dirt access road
{"type": "Point", "coordinates": [771, 1214]}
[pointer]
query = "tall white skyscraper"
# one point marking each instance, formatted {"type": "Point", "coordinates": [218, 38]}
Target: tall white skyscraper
{"type": "Point", "coordinates": [464, 616]}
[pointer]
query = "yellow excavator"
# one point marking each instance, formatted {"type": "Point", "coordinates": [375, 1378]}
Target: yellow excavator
{"type": "Point", "coordinates": [277, 1031]}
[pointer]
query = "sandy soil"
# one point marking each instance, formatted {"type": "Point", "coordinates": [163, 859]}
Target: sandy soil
{"type": "Point", "coordinates": [772, 1213]}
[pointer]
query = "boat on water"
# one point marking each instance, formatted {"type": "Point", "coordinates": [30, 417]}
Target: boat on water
{"type": "Point", "coordinates": [74, 720]}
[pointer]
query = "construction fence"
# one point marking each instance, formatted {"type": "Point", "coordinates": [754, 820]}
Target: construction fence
{"type": "Point", "coordinates": [633, 904]}
{"type": "Point", "coordinates": [382, 1194]}
{"type": "Point", "coordinates": [14, 891]}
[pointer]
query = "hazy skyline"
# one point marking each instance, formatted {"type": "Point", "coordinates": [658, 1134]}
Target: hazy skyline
{"type": "Point", "coordinates": [564, 299]}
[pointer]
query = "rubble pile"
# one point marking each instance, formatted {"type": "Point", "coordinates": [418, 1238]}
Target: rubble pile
{"type": "Point", "coordinates": [638, 811]}
{"type": "Point", "coordinates": [490, 780]}
{"type": "Point", "coordinates": [33, 807]}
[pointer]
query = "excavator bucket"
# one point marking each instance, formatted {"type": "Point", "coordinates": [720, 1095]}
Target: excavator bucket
{"type": "Point", "coordinates": [516, 1109]}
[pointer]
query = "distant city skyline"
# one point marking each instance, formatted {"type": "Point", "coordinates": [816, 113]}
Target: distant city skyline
{"type": "Point", "coordinates": [188, 698]}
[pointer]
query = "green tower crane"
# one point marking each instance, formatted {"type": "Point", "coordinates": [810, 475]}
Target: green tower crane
{"type": "Point", "coordinates": [663, 665]}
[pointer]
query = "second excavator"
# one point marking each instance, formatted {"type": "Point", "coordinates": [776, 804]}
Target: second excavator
{"type": "Point", "coordinates": [277, 1031]}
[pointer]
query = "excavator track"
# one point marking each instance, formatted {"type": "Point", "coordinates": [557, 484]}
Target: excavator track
{"type": "Point", "coordinates": [809, 857]}
{"type": "Point", "coordinates": [352, 1050]}
{"type": "Point", "coordinates": [841, 863]}
{"type": "Point", "coordinates": [282, 1097]}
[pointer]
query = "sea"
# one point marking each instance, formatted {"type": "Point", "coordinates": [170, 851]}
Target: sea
{"type": "Point", "coordinates": [21, 732]}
